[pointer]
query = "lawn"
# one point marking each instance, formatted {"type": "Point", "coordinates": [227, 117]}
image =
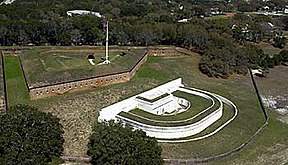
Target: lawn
{"type": "Point", "coordinates": [79, 111]}
{"type": "Point", "coordinates": [44, 66]}
{"type": "Point", "coordinates": [17, 92]}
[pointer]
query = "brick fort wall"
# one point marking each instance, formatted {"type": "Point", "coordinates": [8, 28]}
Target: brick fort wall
{"type": "Point", "coordinates": [94, 82]}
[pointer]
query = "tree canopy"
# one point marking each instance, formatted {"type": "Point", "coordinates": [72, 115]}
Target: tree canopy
{"type": "Point", "coordinates": [146, 23]}
{"type": "Point", "coordinates": [28, 136]}
{"type": "Point", "coordinates": [111, 143]}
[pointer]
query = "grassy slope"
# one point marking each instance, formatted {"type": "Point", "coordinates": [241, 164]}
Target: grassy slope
{"type": "Point", "coordinates": [227, 114]}
{"type": "Point", "coordinates": [271, 146]}
{"type": "Point", "coordinates": [16, 88]}
{"type": "Point", "coordinates": [78, 111]}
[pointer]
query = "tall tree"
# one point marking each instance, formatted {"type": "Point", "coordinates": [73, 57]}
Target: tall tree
{"type": "Point", "coordinates": [28, 136]}
{"type": "Point", "coordinates": [111, 143]}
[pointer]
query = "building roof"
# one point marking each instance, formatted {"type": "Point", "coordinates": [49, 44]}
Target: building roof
{"type": "Point", "coordinates": [83, 12]}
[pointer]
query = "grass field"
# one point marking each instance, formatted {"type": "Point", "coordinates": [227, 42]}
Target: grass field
{"type": "Point", "coordinates": [78, 111]}
{"type": "Point", "coordinates": [45, 66]}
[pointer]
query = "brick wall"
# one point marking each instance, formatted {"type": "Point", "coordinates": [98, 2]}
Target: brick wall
{"type": "Point", "coordinates": [163, 52]}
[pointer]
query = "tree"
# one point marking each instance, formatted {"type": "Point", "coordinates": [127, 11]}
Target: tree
{"type": "Point", "coordinates": [113, 143]}
{"type": "Point", "coordinates": [284, 55]}
{"type": "Point", "coordinates": [28, 136]}
{"type": "Point", "coordinates": [280, 42]}
{"type": "Point", "coordinates": [218, 62]}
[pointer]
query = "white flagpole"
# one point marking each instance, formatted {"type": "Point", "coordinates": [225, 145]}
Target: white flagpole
{"type": "Point", "coordinates": [107, 55]}
{"type": "Point", "coordinates": [106, 61]}
{"type": "Point", "coordinates": [107, 40]}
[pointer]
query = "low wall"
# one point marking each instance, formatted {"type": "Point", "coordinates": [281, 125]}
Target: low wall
{"type": "Point", "coordinates": [78, 85]}
{"type": "Point", "coordinates": [177, 131]}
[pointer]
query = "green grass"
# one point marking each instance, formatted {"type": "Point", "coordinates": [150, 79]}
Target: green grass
{"type": "Point", "coordinates": [78, 111]}
{"type": "Point", "coordinates": [150, 71]}
{"type": "Point", "coordinates": [17, 93]}
{"type": "Point", "coordinates": [44, 66]}
{"type": "Point", "coordinates": [154, 99]}
{"type": "Point", "coordinates": [227, 114]}
{"type": "Point", "coordinates": [167, 123]}
{"type": "Point", "coordinates": [264, 149]}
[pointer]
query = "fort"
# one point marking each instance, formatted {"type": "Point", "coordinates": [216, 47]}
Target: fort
{"type": "Point", "coordinates": [62, 87]}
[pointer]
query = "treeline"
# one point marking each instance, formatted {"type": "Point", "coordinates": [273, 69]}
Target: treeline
{"type": "Point", "coordinates": [227, 45]}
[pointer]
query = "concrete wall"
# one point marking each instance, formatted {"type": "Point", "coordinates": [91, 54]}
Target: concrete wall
{"type": "Point", "coordinates": [177, 131]}
{"type": "Point", "coordinates": [78, 85]}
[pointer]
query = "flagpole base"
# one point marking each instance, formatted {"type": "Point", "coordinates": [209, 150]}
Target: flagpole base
{"type": "Point", "coordinates": [104, 62]}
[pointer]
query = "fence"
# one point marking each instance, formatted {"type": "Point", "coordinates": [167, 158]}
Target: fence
{"type": "Point", "coordinates": [3, 99]}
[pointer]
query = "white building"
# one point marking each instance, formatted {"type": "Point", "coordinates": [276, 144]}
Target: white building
{"type": "Point", "coordinates": [159, 105]}
{"type": "Point", "coordinates": [183, 20]}
{"type": "Point", "coordinates": [83, 12]}
{"type": "Point", "coordinates": [158, 100]}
